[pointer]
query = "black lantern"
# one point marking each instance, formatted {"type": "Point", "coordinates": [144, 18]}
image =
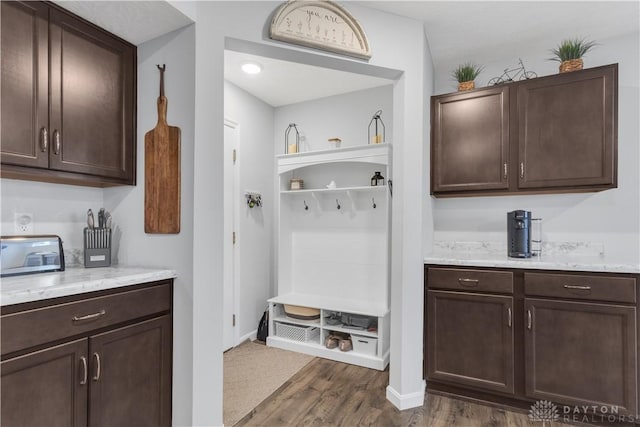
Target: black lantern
{"type": "Point", "coordinates": [290, 148]}
{"type": "Point", "coordinates": [376, 129]}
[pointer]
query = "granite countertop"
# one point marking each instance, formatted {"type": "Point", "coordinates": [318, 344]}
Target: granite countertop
{"type": "Point", "coordinates": [562, 257]}
{"type": "Point", "coordinates": [75, 280]}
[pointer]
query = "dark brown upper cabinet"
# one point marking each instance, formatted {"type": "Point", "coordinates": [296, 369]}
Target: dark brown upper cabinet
{"type": "Point", "coordinates": [68, 98]}
{"type": "Point", "coordinates": [545, 135]}
{"type": "Point", "coordinates": [567, 132]}
{"type": "Point", "coordinates": [471, 141]}
{"type": "Point", "coordinates": [25, 83]}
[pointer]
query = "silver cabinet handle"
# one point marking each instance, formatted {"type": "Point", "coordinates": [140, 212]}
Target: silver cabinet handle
{"type": "Point", "coordinates": [582, 288]}
{"type": "Point", "coordinates": [468, 282]}
{"type": "Point", "coordinates": [509, 312]}
{"type": "Point", "coordinates": [529, 319]}
{"type": "Point", "coordinates": [89, 316]}
{"type": "Point", "coordinates": [56, 142]}
{"type": "Point", "coordinates": [96, 356]}
{"type": "Point", "coordinates": [521, 169]}
{"type": "Point", "coordinates": [506, 169]}
{"type": "Point", "coordinates": [85, 370]}
{"type": "Point", "coordinates": [44, 139]}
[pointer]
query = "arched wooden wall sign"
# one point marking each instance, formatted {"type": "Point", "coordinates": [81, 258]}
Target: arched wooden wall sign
{"type": "Point", "coordinates": [320, 24]}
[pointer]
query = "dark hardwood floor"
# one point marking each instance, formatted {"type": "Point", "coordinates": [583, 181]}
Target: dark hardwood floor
{"type": "Point", "coordinates": [328, 393]}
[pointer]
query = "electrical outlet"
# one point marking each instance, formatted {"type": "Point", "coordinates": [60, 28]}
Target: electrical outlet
{"type": "Point", "coordinates": [23, 223]}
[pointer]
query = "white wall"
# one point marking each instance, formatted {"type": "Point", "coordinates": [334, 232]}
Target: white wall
{"type": "Point", "coordinates": [345, 116]}
{"type": "Point", "coordinates": [255, 226]}
{"type": "Point", "coordinates": [172, 251]}
{"type": "Point", "coordinates": [56, 208]}
{"type": "Point", "coordinates": [397, 43]}
{"type": "Point", "coordinates": [610, 217]}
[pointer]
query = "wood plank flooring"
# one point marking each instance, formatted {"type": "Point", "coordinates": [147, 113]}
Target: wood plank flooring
{"type": "Point", "coordinates": [328, 393]}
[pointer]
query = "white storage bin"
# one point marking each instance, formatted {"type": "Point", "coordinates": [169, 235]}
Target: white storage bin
{"type": "Point", "coordinates": [365, 345]}
{"type": "Point", "coordinates": [297, 333]}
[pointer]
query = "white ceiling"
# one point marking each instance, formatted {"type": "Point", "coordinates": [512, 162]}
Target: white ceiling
{"type": "Point", "coordinates": [457, 31]}
{"type": "Point", "coordinates": [283, 82]}
{"type": "Point", "coordinates": [134, 21]}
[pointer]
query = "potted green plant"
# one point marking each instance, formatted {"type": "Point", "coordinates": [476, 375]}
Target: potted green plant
{"type": "Point", "coordinates": [570, 52]}
{"type": "Point", "coordinates": [465, 74]}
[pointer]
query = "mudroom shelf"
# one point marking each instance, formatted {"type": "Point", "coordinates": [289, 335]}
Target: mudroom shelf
{"type": "Point", "coordinates": [361, 189]}
{"type": "Point", "coordinates": [333, 253]}
{"type": "Point", "coordinates": [303, 336]}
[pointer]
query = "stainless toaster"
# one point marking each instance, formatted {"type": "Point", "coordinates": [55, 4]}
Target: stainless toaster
{"type": "Point", "coordinates": [30, 254]}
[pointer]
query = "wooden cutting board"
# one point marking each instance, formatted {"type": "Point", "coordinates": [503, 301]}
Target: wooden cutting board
{"type": "Point", "coordinates": [162, 172]}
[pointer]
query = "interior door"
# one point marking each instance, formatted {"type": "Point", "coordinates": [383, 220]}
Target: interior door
{"type": "Point", "coordinates": [230, 237]}
{"type": "Point", "coordinates": [46, 387]}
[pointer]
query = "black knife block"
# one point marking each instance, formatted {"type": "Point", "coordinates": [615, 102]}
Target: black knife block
{"type": "Point", "coordinates": [97, 247]}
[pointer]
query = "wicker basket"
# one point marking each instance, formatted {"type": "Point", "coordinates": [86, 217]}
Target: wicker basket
{"type": "Point", "coordinates": [296, 184]}
{"type": "Point", "coordinates": [466, 85]}
{"type": "Point", "coordinates": [571, 65]}
{"type": "Point", "coordinates": [297, 333]}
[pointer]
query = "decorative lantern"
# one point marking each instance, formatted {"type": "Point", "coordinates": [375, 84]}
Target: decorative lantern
{"type": "Point", "coordinates": [376, 129]}
{"type": "Point", "coordinates": [290, 148]}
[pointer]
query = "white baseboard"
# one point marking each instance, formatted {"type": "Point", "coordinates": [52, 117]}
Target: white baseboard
{"type": "Point", "coordinates": [406, 401]}
{"type": "Point", "coordinates": [250, 336]}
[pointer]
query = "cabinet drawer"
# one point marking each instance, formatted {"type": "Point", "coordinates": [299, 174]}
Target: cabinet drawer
{"type": "Point", "coordinates": [601, 288]}
{"type": "Point", "coordinates": [47, 324]}
{"type": "Point", "coordinates": [476, 280]}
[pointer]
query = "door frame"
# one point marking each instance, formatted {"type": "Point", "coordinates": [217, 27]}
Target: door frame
{"type": "Point", "coordinates": [235, 227]}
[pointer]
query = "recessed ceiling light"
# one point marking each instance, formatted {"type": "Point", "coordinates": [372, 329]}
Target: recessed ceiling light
{"type": "Point", "coordinates": [251, 67]}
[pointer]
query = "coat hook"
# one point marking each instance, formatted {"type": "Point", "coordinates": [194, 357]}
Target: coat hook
{"type": "Point", "coordinates": [338, 203]}
{"type": "Point", "coordinates": [374, 202]}
{"type": "Point", "coordinates": [306, 208]}
{"type": "Point", "coordinates": [253, 199]}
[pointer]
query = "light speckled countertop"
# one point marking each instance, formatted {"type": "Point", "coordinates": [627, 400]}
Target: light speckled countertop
{"type": "Point", "coordinates": [569, 256]}
{"type": "Point", "coordinates": [74, 280]}
{"type": "Point", "coordinates": [548, 262]}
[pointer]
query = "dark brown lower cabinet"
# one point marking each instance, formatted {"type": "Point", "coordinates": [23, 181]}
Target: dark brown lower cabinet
{"type": "Point", "coordinates": [580, 353]}
{"type": "Point", "coordinates": [46, 387]}
{"type": "Point", "coordinates": [118, 373]}
{"type": "Point", "coordinates": [516, 336]}
{"type": "Point", "coordinates": [132, 375]}
{"type": "Point", "coordinates": [471, 339]}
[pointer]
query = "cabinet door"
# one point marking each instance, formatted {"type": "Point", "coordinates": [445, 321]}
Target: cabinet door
{"type": "Point", "coordinates": [470, 340]}
{"type": "Point", "coordinates": [470, 141]}
{"type": "Point", "coordinates": [567, 130]}
{"type": "Point", "coordinates": [25, 117]}
{"type": "Point", "coordinates": [46, 387]}
{"type": "Point", "coordinates": [581, 353]}
{"type": "Point", "coordinates": [92, 100]}
{"type": "Point", "coordinates": [131, 375]}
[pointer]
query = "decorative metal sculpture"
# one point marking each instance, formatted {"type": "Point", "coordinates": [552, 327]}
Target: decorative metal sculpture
{"type": "Point", "coordinates": [510, 75]}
